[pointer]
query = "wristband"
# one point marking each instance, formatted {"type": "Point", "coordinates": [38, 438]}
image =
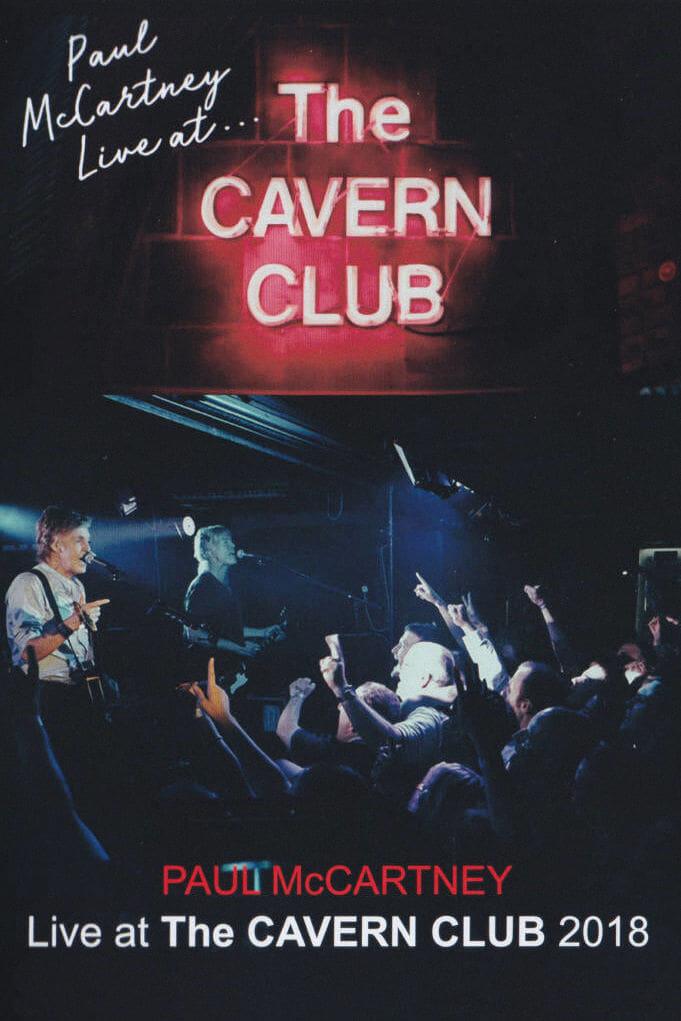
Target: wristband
{"type": "Point", "coordinates": [64, 630]}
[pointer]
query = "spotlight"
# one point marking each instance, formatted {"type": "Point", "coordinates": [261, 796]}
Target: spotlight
{"type": "Point", "coordinates": [433, 480]}
{"type": "Point", "coordinates": [480, 510]}
{"type": "Point", "coordinates": [405, 463]}
{"type": "Point", "coordinates": [185, 527]}
{"type": "Point", "coordinates": [667, 271]}
{"type": "Point", "coordinates": [18, 523]}
{"type": "Point", "coordinates": [188, 525]}
{"type": "Point", "coordinates": [126, 503]}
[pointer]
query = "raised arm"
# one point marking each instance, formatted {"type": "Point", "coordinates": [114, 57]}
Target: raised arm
{"type": "Point", "coordinates": [374, 730]}
{"type": "Point", "coordinates": [562, 649]}
{"type": "Point", "coordinates": [289, 721]}
{"type": "Point", "coordinates": [479, 647]}
{"type": "Point", "coordinates": [425, 591]}
{"type": "Point", "coordinates": [473, 615]}
{"type": "Point", "coordinates": [474, 713]}
{"type": "Point", "coordinates": [262, 774]}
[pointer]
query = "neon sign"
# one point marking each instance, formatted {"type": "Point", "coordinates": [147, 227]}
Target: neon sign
{"type": "Point", "coordinates": [377, 207]}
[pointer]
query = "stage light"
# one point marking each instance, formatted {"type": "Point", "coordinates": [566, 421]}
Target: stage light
{"type": "Point", "coordinates": [405, 463]}
{"type": "Point", "coordinates": [433, 480]}
{"type": "Point", "coordinates": [188, 525]}
{"type": "Point", "coordinates": [18, 523]}
{"type": "Point", "coordinates": [126, 503]}
{"type": "Point", "coordinates": [667, 271]}
{"type": "Point", "coordinates": [185, 527]}
{"type": "Point", "coordinates": [481, 511]}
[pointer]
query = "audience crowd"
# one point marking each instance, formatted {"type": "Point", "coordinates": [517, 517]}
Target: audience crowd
{"type": "Point", "coordinates": [565, 767]}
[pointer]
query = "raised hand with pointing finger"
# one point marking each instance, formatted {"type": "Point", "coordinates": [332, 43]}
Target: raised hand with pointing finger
{"type": "Point", "coordinates": [424, 590]}
{"type": "Point", "coordinates": [215, 701]}
{"type": "Point", "coordinates": [332, 667]}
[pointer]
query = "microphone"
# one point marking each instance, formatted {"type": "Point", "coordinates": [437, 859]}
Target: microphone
{"type": "Point", "coordinates": [241, 554]}
{"type": "Point", "coordinates": [92, 558]}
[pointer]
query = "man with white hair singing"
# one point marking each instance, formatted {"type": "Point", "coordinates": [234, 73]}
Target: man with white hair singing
{"type": "Point", "coordinates": [213, 606]}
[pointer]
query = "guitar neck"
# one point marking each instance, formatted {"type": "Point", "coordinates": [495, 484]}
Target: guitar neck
{"type": "Point", "coordinates": [183, 618]}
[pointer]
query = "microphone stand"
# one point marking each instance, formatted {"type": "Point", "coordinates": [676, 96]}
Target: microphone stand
{"type": "Point", "coordinates": [310, 579]}
{"type": "Point", "coordinates": [114, 572]}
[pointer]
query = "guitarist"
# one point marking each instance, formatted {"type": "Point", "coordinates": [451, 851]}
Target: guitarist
{"type": "Point", "coordinates": [48, 613]}
{"type": "Point", "coordinates": [213, 604]}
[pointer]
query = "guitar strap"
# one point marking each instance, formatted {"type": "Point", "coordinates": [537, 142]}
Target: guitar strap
{"type": "Point", "coordinates": [49, 594]}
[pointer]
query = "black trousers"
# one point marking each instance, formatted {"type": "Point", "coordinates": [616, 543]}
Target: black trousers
{"type": "Point", "coordinates": [80, 737]}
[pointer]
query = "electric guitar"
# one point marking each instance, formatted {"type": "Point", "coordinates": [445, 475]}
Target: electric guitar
{"type": "Point", "coordinates": [192, 624]}
{"type": "Point", "coordinates": [101, 692]}
{"type": "Point", "coordinates": [91, 681]}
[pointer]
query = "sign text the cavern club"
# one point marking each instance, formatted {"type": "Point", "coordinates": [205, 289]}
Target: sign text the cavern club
{"type": "Point", "coordinates": [374, 207]}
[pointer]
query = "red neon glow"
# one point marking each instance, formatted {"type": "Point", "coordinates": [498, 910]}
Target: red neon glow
{"type": "Point", "coordinates": [423, 207]}
{"type": "Point", "coordinates": [282, 205]}
{"type": "Point", "coordinates": [240, 310]}
{"type": "Point", "coordinates": [277, 193]}
{"type": "Point", "coordinates": [386, 112]}
{"type": "Point", "coordinates": [253, 295]}
{"type": "Point", "coordinates": [385, 298]}
{"type": "Point", "coordinates": [335, 107]}
{"type": "Point", "coordinates": [311, 315]}
{"type": "Point", "coordinates": [455, 196]}
{"type": "Point", "coordinates": [317, 222]}
{"type": "Point", "coordinates": [389, 117]}
{"type": "Point", "coordinates": [208, 207]}
{"type": "Point", "coordinates": [355, 205]}
{"type": "Point", "coordinates": [417, 297]}
{"type": "Point", "coordinates": [300, 92]}
{"type": "Point", "coordinates": [409, 293]}
{"type": "Point", "coordinates": [667, 271]}
{"type": "Point", "coordinates": [323, 246]}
